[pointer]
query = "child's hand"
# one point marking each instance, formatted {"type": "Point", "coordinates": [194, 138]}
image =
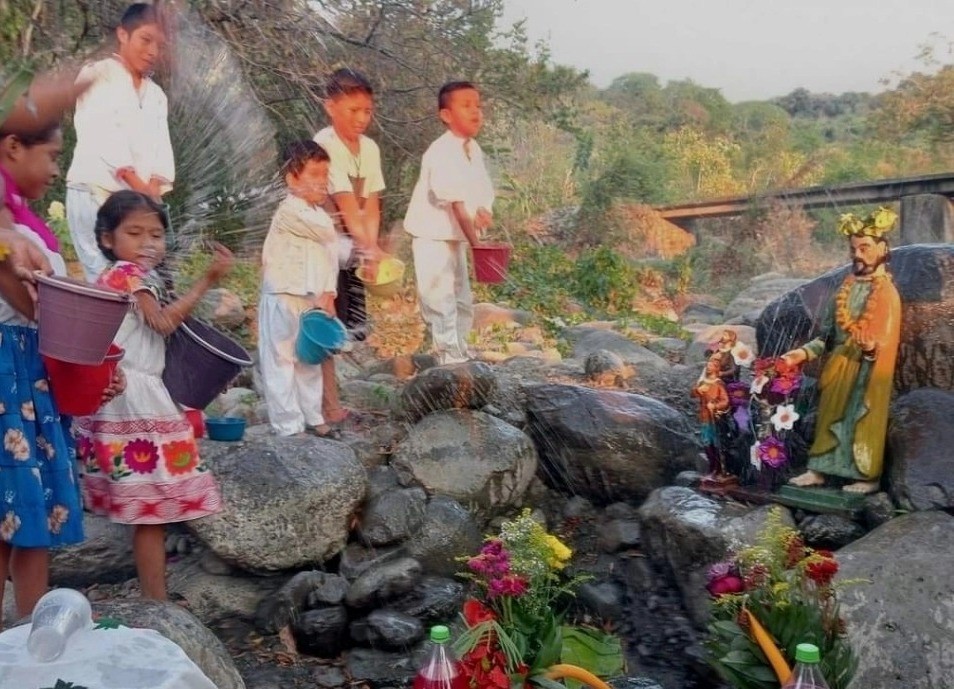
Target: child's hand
{"type": "Point", "coordinates": [326, 302]}
{"type": "Point", "coordinates": [483, 219]}
{"type": "Point", "coordinates": [222, 262]}
{"type": "Point", "coordinates": [117, 386]}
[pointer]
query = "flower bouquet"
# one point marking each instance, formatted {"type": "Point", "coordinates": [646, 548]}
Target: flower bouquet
{"type": "Point", "coordinates": [516, 634]}
{"type": "Point", "coordinates": [769, 598]}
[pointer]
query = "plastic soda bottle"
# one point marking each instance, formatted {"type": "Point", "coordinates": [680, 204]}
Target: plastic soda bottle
{"type": "Point", "coordinates": [441, 670]}
{"type": "Point", "coordinates": [807, 672]}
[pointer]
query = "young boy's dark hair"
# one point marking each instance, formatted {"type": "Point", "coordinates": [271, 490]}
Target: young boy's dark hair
{"type": "Point", "coordinates": [297, 154]}
{"type": "Point", "coordinates": [346, 81]}
{"type": "Point", "coordinates": [139, 14]}
{"type": "Point", "coordinates": [41, 136]}
{"type": "Point", "coordinates": [443, 96]}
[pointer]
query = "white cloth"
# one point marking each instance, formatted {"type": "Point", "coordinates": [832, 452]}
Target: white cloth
{"type": "Point", "coordinates": [292, 389]}
{"type": "Point", "coordinates": [119, 126]}
{"type": "Point", "coordinates": [8, 314]}
{"type": "Point", "coordinates": [447, 303]}
{"type": "Point", "coordinates": [81, 209]}
{"type": "Point", "coordinates": [121, 658]}
{"type": "Point", "coordinates": [300, 254]}
{"type": "Point", "coordinates": [448, 176]}
{"type": "Point", "coordinates": [347, 167]}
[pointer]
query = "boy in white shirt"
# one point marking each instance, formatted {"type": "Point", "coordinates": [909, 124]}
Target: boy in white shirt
{"type": "Point", "coordinates": [449, 208]}
{"type": "Point", "coordinates": [299, 272]}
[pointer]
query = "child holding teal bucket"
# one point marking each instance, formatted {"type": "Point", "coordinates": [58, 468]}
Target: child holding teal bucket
{"type": "Point", "coordinates": [299, 273]}
{"type": "Point", "coordinates": [138, 454]}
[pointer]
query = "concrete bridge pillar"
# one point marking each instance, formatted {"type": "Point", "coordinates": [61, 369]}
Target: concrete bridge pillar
{"type": "Point", "coordinates": [926, 219]}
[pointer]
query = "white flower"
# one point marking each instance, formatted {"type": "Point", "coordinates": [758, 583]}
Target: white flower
{"type": "Point", "coordinates": [784, 417]}
{"type": "Point", "coordinates": [56, 211]}
{"type": "Point", "coordinates": [16, 444]}
{"type": "Point", "coordinates": [758, 383]}
{"type": "Point", "coordinates": [742, 354]}
{"type": "Point", "coordinates": [754, 456]}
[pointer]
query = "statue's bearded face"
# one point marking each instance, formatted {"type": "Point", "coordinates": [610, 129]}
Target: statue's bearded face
{"type": "Point", "coordinates": [867, 253]}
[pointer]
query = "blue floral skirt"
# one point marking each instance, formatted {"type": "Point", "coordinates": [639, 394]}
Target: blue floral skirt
{"type": "Point", "coordinates": [39, 496]}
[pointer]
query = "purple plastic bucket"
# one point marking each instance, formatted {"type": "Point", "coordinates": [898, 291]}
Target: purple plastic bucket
{"type": "Point", "coordinates": [200, 363]}
{"type": "Point", "coordinates": [77, 321]}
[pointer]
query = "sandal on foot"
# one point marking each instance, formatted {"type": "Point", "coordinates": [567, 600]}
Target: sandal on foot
{"type": "Point", "coordinates": [324, 431]}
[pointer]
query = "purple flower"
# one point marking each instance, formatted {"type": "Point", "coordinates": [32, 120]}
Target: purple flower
{"type": "Point", "coordinates": [742, 416]}
{"type": "Point", "coordinates": [772, 452]}
{"type": "Point", "coordinates": [719, 570]}
{"type": "Point", "coordinates": [738, 393]}
{"type": "Point", "coordinates": [785, 385]}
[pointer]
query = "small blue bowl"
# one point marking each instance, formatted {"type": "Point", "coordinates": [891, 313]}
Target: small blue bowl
{"type": "Point", "coordinates": [225, 428]}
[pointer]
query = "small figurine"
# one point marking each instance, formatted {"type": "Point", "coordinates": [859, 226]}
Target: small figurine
{"type": "Point", "coordinates": [725, 351]}
{"type": "Point", "coordinates": [860, 333]}
{"type": "Point", "coordinates": [716, 422]}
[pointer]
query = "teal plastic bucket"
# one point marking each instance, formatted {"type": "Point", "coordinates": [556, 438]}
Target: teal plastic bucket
{"type": "Point", "coordinates": [320, 335]}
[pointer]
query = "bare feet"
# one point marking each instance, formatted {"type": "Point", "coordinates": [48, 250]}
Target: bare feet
{"type": "Point", "coordinates": [863, 487]}
{"type": "Point", "coordinates": [336, 414]}
{"type": "Point", "coordinates": [809, 478]}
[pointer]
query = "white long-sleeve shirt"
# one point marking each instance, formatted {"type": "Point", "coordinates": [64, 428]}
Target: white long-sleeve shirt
{"type": "Point", "coordinates": [119, 126]}
{"type": "Point", "coordinates": [300, 252]}
{"type": "Point", "coordinates": [448, 175]}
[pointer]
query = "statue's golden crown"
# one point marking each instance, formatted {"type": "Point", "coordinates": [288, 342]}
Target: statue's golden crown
{"type": "Point", "coordinates": [876, 224]}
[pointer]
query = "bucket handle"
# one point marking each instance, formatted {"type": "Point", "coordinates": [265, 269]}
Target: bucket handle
{"type": "Point", "coordinates": [215, 350]}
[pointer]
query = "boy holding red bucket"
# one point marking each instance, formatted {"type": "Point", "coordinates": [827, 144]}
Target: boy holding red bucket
{"type": "Point", "coordinates": [449, 208]}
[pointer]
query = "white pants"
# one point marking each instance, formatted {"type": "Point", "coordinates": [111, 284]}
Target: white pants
{"type": "Point", "coordinates": [81, 209]}
{"type": "Point", "coordinates": [292, 389]}
{"type": "Point", "coordinates": [443, 287]}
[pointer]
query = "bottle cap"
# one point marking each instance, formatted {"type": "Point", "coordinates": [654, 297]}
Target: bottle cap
{"type": "Point", "coordinates": [440, 634]}
{"type": "Point", "coordinates": [807, 653]}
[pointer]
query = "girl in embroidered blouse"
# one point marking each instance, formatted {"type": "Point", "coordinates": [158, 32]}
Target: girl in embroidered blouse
{"type": "Point", "coordinates": [138, 454]}
{"type": "Point", "coordinates": [122, 131]}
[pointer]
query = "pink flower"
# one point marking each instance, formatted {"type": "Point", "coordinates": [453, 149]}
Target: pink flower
{"type": "Point", "coordinates": [141, 456]}
{"type": "Point", "coordinates": [509, 585]}
{"type": "Point", "coordinates": [785, 385]}
{"type": "Point", "coordinates": [723, 578]}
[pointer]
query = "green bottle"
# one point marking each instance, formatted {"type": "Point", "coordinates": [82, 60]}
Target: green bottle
{"type": "Point", "coordinates": [807, 673]}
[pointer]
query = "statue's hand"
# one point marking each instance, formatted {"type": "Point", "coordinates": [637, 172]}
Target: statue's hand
{"type": "Point", "coordinates": [867, 343]}
{"type": "Point", "coordinates": [795, 357]}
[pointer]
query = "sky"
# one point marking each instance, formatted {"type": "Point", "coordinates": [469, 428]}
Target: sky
{"type": "Point", "coordinates": [749, 49]}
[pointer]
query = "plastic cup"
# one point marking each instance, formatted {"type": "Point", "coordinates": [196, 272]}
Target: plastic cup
{"type": "Point", "coordinates": [57, 616]}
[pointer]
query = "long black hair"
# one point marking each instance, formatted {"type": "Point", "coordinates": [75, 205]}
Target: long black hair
{"type": "Point", "coordinates": [117, 208]}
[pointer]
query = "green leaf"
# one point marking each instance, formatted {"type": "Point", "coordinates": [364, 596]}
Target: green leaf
{"type": "Point", "coordinates": [108, 623]}
{"type": "Point", "coordinates": [591, 649]}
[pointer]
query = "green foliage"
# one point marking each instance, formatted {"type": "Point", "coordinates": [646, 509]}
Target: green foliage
{"type": "Point", "coordinates": [243, 280]}
{"type": "Point", "coordinates": [605, 280]}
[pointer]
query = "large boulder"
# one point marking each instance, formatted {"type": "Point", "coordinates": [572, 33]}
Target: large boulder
{"type": "Point", "coordinates": [612, 341]}
{"type": "Point", "coordinates": [683, 533]}
{"type": "Point", "coordinates": [762, 290]}
{"type": "Point", "coordinates": [920, 438]}
{"type": "Point", "coordinates": [608, 445]}
{"type": "Point", "coordinates": [448, 533]}
{"type": "Point", "coordinates": [924, 275]}
{"type": "Point", "coordinates": [103, 557]}
{"type": "Point", "coordinates": [179, 626]}
{"type": "Point", "coordinates": [473, 457]}
{"type": "Point", "coordinates": [287, 502]}
{"type": "Point", "coordinates": [899, 617]}
{"type": "Point", "coordinates": [468, 385]}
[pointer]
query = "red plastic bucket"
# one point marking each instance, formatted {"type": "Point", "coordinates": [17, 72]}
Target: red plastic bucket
{"type": "Point", "coordinates": [197, 419]}
{"type": "Point", "coordinates": [78, 321]}
{"type": "Point", "coordinates": [77, 388]}
{"type": "Point", "coordinates": [490, 262]}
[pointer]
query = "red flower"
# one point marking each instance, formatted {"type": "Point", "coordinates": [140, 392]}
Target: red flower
{"type": "Point", "coordinates": [181, 456]}
{"type": "Point", "coordinates": [476, 612]}
{"type": "Point", "coordinates": [822, 567]}
{"type": "Point", "coordinates": [725, 585]}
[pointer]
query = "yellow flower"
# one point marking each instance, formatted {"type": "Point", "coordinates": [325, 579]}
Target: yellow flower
{"type": "Point", "coordinates": [56, 211]}
{"type": "Point", "coordinates": [560, 553]}
{"type": "Point", "coordinates": [4, 251]}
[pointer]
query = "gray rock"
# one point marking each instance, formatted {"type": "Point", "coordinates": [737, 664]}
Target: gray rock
{"type": "Point", "coordinates": [924, 275]}
{"type": "Point", "coordinates": [382, 480]}
{"type": "Point", "coordinates": [878, 510]}
{"type": "Point", "coordinates": [356, 559]}
{"type": "Point", "coordinates": [322, 632]}
{"type": "Point", "coordinates": [619, 534]}
{"type": "Point", "coordinates": [216, 597]}
{"type": "Point", "coordinates": [622, 346]}
{"type": "Point", "coordinates": [383, 582]}
{"type": "Point", "coordinates": [899, 623]}
{"type": "Point", "coordinates": [392, 516]}
{"type": "Point", "coordinates": [449, 532]}
{"type": "Point", "coordinates": [578, 507]}
{"type": "Point", "coordinates": [830, 531]}
{"type": "Point", "coordinates": [687, 479]}
{"type": "Point", "coordinates": [179, 626]}
{"type": "Point", "coordinates": [433, 600]}
{"type": "Point", "coordinates": [702, 313]}
{"type": "Point", "coordinates": [330, 592]}
{"type": "Point", "coordinates": [634, 683]}
{"type": "Point", "coordinates": [213, 564]}
{"type": "Point", "coordinates": [104, 557]}
{"type": "Point", "coordinates": [287, 502]}
{"type": "Point", "coordinates": [620, 510]}
{"type": "Point", "coordinates": [603, 362]}
{"type": "Point", "coordinates": [683, 533]}
{"type": "Point", "coordinates": [920, 441]}
{"type": "Point", "coordinates": [761, 291]}
{"type": "Point", "coordinates": [369, 395]}
{"type": "Point", "coordinates": [381, 668]}
{"type": "Point", "coordinates": [669, 348]}
{"type": "Point", "coordinates": [603, 599]}
{"type": "Point", "coordinates": [288, 602]}
{"type": "Point", "coordinates": [608, 445]}
{"type": "Point", "coordinates": [329, 677]}
{"type": "Point", "coordinates": [470, 456]}
{"type": "Point", "coordinates": [470, 385]}
{"type": "Point", "coordinates": [388, 630]}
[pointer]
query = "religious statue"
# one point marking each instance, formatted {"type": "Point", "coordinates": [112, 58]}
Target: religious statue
{"type": "Point", "coordinates": [716, 423]}
{"type": "Point", "coordinates": [724, 351]}
{"type": "Point", "coordinates": [860, 334]}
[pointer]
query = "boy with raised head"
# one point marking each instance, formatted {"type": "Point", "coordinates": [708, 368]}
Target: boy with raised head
{"type": "Point", "coordinates": [450, 206]}
{"type": "Point", "coordinates": [355, 185]}
{"type": "Point", "coordinates": [299, 272]}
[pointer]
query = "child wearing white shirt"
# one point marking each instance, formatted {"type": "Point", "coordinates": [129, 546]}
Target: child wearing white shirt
{"type": "Point", "coordinates": [449, 207]}
{"type": "Point", "coordinates": [122, 131]}
{"type": "Point", "coordinates": [299, 272]}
